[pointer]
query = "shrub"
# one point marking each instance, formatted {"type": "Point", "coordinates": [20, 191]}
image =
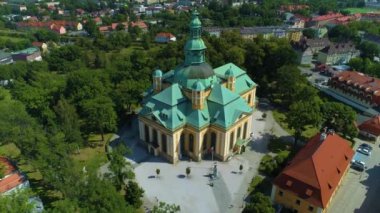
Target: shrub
{"type": "Point", "coordinates": [268, 165]}
{"type": "Point", "coordinates": [276, 145]}
{"type": "Point", "coordinates": [254, 183]}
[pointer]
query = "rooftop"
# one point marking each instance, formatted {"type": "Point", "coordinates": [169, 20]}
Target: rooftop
{"type": "Point", "coordinates": [371, 126]}
{"type": "Point", "coordinates": [315, 172]}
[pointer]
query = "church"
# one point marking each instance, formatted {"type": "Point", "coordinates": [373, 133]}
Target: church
{"type": "Point", "coordinates": [197, 112]}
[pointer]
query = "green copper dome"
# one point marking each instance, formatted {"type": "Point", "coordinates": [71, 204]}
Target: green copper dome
{"type": "Point", "coordinates": [195, 44]}
{"type": "Point", "coordinates": [157, 73]}
{"type": "Point", "coordinates": [195, 22]}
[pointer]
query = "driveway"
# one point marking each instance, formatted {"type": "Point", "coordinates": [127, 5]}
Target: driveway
{"type": "Point", "coordinates": [360, 190]}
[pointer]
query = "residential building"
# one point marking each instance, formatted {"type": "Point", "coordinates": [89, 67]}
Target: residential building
{"type": "Point", "coordinates": [316, 44]}
{"type": "Point", "coordinates": [320, 21]}
{"type": "Point", "coordinates": [29, 54]}
{"type": "Point", "coordinates": [13, 180]}
{"type": "Point", "coordinates": [304, 53]}
{"type": "Point", "coordinates": [5, 58]}
{"type": "Point", "coordinates": [338, 53]}
{"type": "Point", "coordinates": [371, 128]}
{"type": "Point", "coordinates": [309, 182]}
{"type": "Point", "coordinates": [55, 25]}
{"type": "Point", "coordinates": [164, 38]}
{"type": "Point", "coordinates": [195, 111]}
{"type": "Point", "coordinates": [363, 88]}
{"type": "Point", "coordinates": [293, 7]}
{"type": "Point", "coordinates": [41, 45]}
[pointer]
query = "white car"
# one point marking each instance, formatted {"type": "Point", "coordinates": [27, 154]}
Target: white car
{"type": "Point", "coordinates": [364, 151]}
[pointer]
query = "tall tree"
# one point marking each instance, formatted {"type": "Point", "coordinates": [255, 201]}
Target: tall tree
{"type": "Point", "coordinates": [68, 120]}
{"type": "Point", "coordinates": [341, 118]}
{"type": "Point", "coordinates": [133, 194]}
{"type": "Point", "coordinates": [100, 115]}
{"type": "Point", "coordinates": [303, 114]}
{"type": "Point", "coordinates": [119, 165]}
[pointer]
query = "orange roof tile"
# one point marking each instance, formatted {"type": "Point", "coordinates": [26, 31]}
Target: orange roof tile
{"type": "Point", "coordinates": [316, 170]}
{"type": "Point", "coordinates": [12, 177]}
{"type": "Point", "coordinates": [360, 80]}
{"type": "Point", "coordinates": [371, 126]}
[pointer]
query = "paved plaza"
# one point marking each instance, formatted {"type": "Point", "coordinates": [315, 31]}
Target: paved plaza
{"type": "Point", "coordinates": [198, 192]}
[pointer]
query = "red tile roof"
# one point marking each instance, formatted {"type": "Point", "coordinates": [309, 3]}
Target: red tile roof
{"type": "Point", "coordinates": [47, 23]}
{"type": "Point", "coordinates": [327, 17]}
{"type": "Point", "coordinates": [165, 35]}
{"type": "Point", "coordinates": [316, 170]}
{"type": "Point", "coordinates": [371, 126]}
{"type": "Point", "coordinates": [139, 24]}
{"type": "Point", "coordinates": [12, 177]}
{"type": "Point", "coordinates": [37, 44]}
{"type": "Point", "coordinates": [360, 80]}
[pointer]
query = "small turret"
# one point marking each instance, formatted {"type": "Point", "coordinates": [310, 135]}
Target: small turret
{"type": "Point", "coordinates": [230, 79]}
{"type": "Point", "coordinates": [157, 80]}
{"type": "Point", "coordinates": [197, 95]}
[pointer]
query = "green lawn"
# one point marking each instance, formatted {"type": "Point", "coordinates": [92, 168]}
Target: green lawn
{"type": "Point", "coordinates": [280, 118]}
{"type": "Point", "coordinates": [94, 155]}
{"type": "Point", "coordinates": [14, 39]}
{"type": "Point", "coordinates": [354, 10]}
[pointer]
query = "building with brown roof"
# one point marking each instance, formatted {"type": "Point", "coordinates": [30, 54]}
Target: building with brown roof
{"type": "Point", "coordinates": [362, 88]}
{"type": "Point", "coordinates": [371, 128]}
{"type": "Point", "coordinates": [338, 53]}
{"type": "Point", "coordinates": [12, 179]}
{"type": "Point", "coordinates": [311, 179]}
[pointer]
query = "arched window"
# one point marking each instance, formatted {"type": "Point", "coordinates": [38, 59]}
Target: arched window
{"type": "Point", "coordinates": [245, 130]}
{"type": "Point", "coordinates": [239, 132]}
{"type": "Point", "coordinates": [232, 140]}
{"type": "Point", "coordinates": [163, 143]}
{"type": "Point", "coordinates": [191, 142]}
{"type": "Point", "coordinates": [155, 138]}
{"type": "Point", "coordinates": [249, 99]}
{"type": "Point", "coordinates": [146, 130]}
{"type": "Point", "coordinates": [213, 140]}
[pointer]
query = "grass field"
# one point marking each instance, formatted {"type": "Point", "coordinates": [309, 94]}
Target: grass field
{"type": "Point", "coordinates": [354, 10]}
{"type": "Point", "coordinates": [14, 39]}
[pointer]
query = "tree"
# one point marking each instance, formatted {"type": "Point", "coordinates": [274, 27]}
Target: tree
{"type": "Point", "coordinates": [259, 203]}
{"type": "Point", "coordinates": [340, 118]}
{"type": "Point", "coordinates": [16, 202]}
{"type": "Point", "coordinates": [133, 194]}
{"type": "Point", "coordinates": [341, 33]}
{"type": "Point", "coordinates": [309, 33]}
{"type": "Point", "coordinates": [166, 208]}
{"type": "Point", "coordinates": [100, 115]}
{"type": "Point", "coordinates": [68, 120]}
{"type": "Point", "coordinates": [369, 49]}
{"type": "Point", "coordinates": [146, 42]}
{"type": "Point", "coordinates": [158, 172]}
{"type": "Point", "coordinates": [100, 196]}
{"type": "Point", "coordinates": [118, 165]}
{"type": "Point", "coordinates": [303, 114]}
{"type": "Point", "coordinates": [188, 170]}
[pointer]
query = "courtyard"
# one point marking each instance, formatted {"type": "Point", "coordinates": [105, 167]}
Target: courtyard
{"type": "Point", "coordinates": [198, 192]}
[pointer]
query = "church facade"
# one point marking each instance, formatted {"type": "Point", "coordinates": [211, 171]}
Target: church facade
{"type": "Point", "coordinates": [195, 111]}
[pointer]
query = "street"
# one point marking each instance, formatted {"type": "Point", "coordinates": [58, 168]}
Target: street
{"type": "Point", "coordinates": [359, 190]}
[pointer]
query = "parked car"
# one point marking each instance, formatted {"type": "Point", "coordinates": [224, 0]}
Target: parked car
{"type": "Point", "coordinates": [358, 165]}
{"type": "Point", "coordinates": [364, 145]}
{"type": "Point", "coordinates": [364, 151]}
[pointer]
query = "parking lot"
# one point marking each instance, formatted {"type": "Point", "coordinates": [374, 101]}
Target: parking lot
{"type": "Point", "coordinates": [360, 190]}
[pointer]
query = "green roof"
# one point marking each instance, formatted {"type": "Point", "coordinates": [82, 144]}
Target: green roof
{"type": "Point", "coordinates": [28, 51]}
{"type": "Point", "coordinates": [222, 70]}
{"type": "Point", "coordinates": [195, 22]}
{"type": "Point", "coordinates": [157, 73]}
{"type": "Point", "coordinates": [195, 44]}
{"type": "Point", "coordinates": [244, 83]}
{"type": "Point", "coordinates": [222, 95]}
{"type": "Point", "coordinates": [198, 86]}
{"type": "Point", "coordinates": [170, 96]}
